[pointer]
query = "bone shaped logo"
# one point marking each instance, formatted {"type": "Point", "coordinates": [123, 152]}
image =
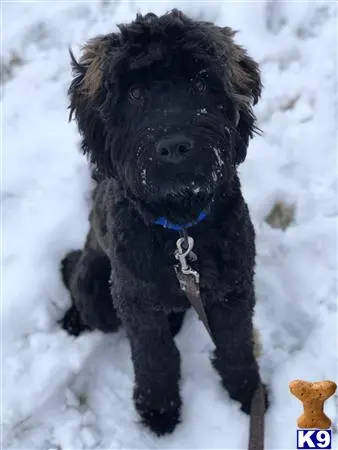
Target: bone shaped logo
{"type": "Point", "coordinates": [313, 396]}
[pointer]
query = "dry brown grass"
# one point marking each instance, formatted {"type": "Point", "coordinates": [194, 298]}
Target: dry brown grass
{"type": "Point", "coordinates": [8, 67]}
{"type": "Point", "coordinates": [281, 215]}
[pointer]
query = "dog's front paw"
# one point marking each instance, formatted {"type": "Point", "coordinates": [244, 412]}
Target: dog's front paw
{"type": "Point", "coordinates": [246, 400]}
{"type": "Point", "coordinates": [241, 382]}
{"type": "Point", "coordinates": [160, 420]}
{"type": "Point", "coordinates": [244, 391]}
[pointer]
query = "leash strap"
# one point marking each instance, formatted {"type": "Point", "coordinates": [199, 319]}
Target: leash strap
{"type": "Point", "coordinates": [191, 290]}
{"type": "Point", "coordinates": [188, 279]}
{"type": "Point", "coordinates": [256, 431]}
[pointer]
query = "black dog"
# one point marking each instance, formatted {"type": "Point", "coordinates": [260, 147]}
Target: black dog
{"type": "Point", "coordinates": [165, 111]}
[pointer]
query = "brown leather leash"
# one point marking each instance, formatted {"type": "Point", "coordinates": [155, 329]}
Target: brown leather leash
{"type": "Point", "coordinates": [188, 279]}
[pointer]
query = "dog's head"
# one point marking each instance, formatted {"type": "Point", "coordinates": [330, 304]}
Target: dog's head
{"type": "Point", "coordinates": [165, 106]}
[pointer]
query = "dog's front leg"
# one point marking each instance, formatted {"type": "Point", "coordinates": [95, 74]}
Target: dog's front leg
{"type": "Point", "coordinates": [157, 370]}
{"type": "Point", "coordinates": [231, 325]}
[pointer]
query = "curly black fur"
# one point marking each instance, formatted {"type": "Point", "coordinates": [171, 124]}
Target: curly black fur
{"type": "Point", "coordinates": [162, 80]}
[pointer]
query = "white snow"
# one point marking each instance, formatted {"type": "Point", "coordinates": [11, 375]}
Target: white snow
{"type": "Point", "coordinates": [59, 392]}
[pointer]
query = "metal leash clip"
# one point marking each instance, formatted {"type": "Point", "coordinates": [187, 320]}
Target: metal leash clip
{"type": "Point", "coordinates": [184, 254]}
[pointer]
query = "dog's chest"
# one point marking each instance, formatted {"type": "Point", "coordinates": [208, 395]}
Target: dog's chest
{"type": "Point", "coordinates": [208, 263]}
{"type": "Point", "coordinates": [147, 263]}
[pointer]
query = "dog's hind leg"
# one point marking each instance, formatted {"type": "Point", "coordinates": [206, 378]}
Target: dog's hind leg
{"type": "Point", "coordinates": [71, 321]}
{"type": "Point", "coordinates": [68, 265]}
{"type": "Point", "coordinates": [86, 274]}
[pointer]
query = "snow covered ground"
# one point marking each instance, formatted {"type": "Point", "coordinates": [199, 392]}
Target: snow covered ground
{"type": "Point", "coordinates": [59, 392]}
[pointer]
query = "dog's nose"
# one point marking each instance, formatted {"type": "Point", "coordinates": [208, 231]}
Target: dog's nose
{"type": "Point", "coordinates": [173, 149]}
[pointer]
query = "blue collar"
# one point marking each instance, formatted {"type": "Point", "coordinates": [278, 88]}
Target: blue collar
{"type": "Point", "coordinates": [175, 226]}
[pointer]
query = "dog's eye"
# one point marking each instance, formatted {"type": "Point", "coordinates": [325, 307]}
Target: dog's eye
{"type": "Point", "coordinates": [135, 94]}
{"type": "Point", "coordinates": [201, 86]}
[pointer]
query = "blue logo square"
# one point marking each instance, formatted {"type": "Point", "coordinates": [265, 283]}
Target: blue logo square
{"type": "Point", "coordinates": [314, 439]}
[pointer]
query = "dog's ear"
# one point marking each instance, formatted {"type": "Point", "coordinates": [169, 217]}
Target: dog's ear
{"type": "Point", "coordinates": [246, 87]}
{"type": "Point", "coordinates": [246, 75]}
{"type": "Point", "coordinates": [87, 94]}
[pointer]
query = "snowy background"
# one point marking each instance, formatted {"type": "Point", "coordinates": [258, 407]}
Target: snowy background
{"type": "Point", "coordinates": [59, 392]}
